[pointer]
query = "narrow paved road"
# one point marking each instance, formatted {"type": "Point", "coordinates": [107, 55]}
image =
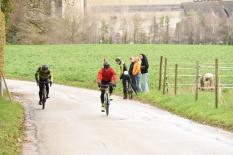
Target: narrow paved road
{"type": "Point", "coordinates": [72, 124]}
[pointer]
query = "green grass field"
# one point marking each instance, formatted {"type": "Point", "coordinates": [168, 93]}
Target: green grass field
{"type": "Point", "coordinates": [11, 128]}
{"type": "Point", "coordinates": [78, 65]}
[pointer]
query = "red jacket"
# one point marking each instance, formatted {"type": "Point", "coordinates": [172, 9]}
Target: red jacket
{"type": "Point", "coordinates": [106, 75]}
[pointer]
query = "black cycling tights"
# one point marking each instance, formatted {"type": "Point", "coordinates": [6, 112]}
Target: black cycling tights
{"type": "Point", "coordinates": [103, 91]}
{"type": "Point", "coordinates": [41, 86]}
{"type": "Point", "coordinates": [102, 94]}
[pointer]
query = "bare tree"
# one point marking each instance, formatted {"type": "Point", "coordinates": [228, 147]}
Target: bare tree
{"type": "Point", "coordinates": [124, 29]}
{"type": "Point", "coordinates": [167, 25]}
{"type": "Point", "coordinates": [104, 29]}
{"type": "Point", "coordinates": [72, 28]}
{"type": "Point", "coordinates": [154, 30]}
{"type": "Point", "coordinates": [88, 30]}
{"type": "Point", "coordinates": [137, 27]}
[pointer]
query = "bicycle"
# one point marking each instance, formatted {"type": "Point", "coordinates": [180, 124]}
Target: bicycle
{"type": "Point", "coordinates": [44, 93]}
{"type": "Point", "coordinates": [129, 89]}
{"type": "Point", "coordinates": [105, 88]}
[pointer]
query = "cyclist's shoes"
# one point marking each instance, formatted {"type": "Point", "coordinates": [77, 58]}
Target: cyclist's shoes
{"type": "Point", "coordinates": [102, 108]}
{"type": "Point", "coordinates": [110, 98]}
{"type": "Point", "coordinates": [40, 103]}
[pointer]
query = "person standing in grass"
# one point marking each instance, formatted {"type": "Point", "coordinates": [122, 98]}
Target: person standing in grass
{"type": "Point", "coordinates": [137, 73]}
{"type": "Point", "coordinates": [124, 75]}
{"type": "Point", "coordinates": [132, 77]}
{"type": "Point", "coordinates": [144, 71]}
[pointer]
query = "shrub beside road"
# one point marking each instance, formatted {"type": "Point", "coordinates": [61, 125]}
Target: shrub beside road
{"type": "Point", "coordinates": [11, 127]}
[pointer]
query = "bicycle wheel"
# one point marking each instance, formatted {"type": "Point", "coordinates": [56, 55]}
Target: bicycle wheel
{"type": "Point", "coordinates": [43, 98]}
{"type": "Point", "coordinates": [130, 91]}
{"type": "Point", "coordinates": [130, 94]}
{"type": "Point", "coordinates": [107, 103]}
{"type": "Point", "coordinates": [107, 109]}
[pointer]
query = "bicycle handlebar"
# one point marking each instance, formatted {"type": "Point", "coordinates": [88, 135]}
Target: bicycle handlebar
{"type": "Point", "coordinates": [44, 82]}
{"type": "Point", "coordinates": [106, 86]}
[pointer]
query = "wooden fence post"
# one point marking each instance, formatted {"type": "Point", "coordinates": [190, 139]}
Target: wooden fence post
{"type": "Point", "coordinates": [7, 90]}
{"type": "Point", "coordinates": [197, 81]}
{"type": "Point", "coordinates": [176, 79]}
{"type": "Point", "coordinates": [160, 72]}
{"type": "Point", "coordinates": [165, 76]}
{"type": "Point", "coordinates": [216, 83]}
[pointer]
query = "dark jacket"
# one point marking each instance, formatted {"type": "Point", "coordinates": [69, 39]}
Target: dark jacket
{"type": "Point", "coordinates": [43, 75]}
{"type": "Point", "coordinates": [131, 69]}
{"type": "Point", "coordinates": [144, 64]}
{"type": "Point", "coordinates": [123, 68]}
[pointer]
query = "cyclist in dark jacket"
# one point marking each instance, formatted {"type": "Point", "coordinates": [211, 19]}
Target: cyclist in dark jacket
{"type": "Point", "coordinates": [43, 74]}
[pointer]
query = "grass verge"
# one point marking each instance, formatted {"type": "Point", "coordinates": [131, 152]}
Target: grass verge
{"type": "Point", "coordinates": [202, 111]}
{"type": "Point", "coordinates": [11, 127]}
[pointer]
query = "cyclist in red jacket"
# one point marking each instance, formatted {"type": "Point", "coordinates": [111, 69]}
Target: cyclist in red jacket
{"type": "Point", "coordinates": [106, 76]}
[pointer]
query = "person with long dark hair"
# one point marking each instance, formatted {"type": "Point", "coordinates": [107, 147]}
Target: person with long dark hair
{"type": "Point", "coordinates": [144, 71]}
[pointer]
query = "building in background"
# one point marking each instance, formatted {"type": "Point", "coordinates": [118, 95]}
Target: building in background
{"type": "Point", "coordinates": [147, 14]}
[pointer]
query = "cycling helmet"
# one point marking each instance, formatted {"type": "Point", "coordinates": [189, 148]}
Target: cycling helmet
{"type": "Point", "coordinates": [45, 67]}
{"type": "Point", "coordinates": [106, 65]}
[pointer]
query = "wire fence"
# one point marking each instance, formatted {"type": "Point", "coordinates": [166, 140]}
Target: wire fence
{"type": "Point", "coordinates": [216, 77]}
